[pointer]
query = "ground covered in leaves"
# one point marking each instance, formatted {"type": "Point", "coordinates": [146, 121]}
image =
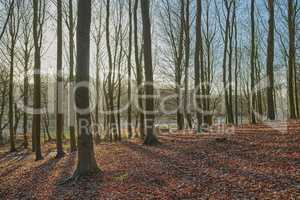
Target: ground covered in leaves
{"type": "Point", "coordinates": [253, 162]}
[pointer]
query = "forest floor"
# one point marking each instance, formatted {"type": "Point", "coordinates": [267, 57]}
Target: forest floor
{"type": "Point", "coordinates": [243, 165]}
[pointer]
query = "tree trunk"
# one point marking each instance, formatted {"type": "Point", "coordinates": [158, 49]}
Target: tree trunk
{"type": "Point", "coordinates": [150, 138]}
{"type": "Point", "coordinates": [110, 79]}
{"type": "Point", "coordinates": [231, 33]}
{"type": "Point", "coordinates": [187, 66]}
{"type": "Point", "coordinates": [198, 49]}
{"type": "Point", "coordinates": [129, 111]}
{"type": "Point", "coordinates": [71, 79]}
{"type": "Point", "coordinates": [86, 163]}
{"type": "Point", "coordinates": [59, 90]}
{"type": "Point", "coordinates": [252, 63]}
{"type": "Point", "coordinates": [11, 98]}
{"type": "Point", "coordinates": [37, 82]}
{"type": "Point", "coordinates": [270, 62]}
{"type": "Point", "coordinates": [291, 58]}
{"type": "Point", "coordinates": [227, 27]}
{"type": "Point", "coordinates": [139, 76]}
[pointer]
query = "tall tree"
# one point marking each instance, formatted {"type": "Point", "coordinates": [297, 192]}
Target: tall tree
{"type": "Point", "coordinates": [112, 118]}
{"type": "Point", "coordinates": [71, 117]}
{"type": "Point", "coordinates": [97, 38]}
{"type": "Point", "coordinates": [86, 163]}
{"type": "Point", "coordinates": [270, 62]}
{"type": "Point", "coordinates": [26, 49]}
{"type": "Point", "coordinates": [226, 38]}
{"type": "Point", "coordinates": [59, 85]}
{"type": "Point", "coordinates": [187, 64]}
{"type": "Point", "coordinates": [38, 20]}
{"type": "Point", "coordinates": [291, 57]}
{"type": "Point", "coordinates": [230, 58]}
{"type": "Point", "coordinates": [198, 63]}
{"type": "Point", "coordinates": [252, 63]}
{"type": "Point", "coordinates": [129, 118]}
{"type": "Point", "coordinates": [13, 32]}
{"type": "Point", "coordinates": [150, 138]}
{"type": "Point", "coordinates": [139, 71]}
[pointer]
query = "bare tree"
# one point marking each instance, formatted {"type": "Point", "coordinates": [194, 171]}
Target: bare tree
{"type": "Point", "coordinates": [110, 75]}
{"type": "Point", "coordinates": [59, 87]}
{"type": "Point", "coordinates": [252, 62]}
{"type": "Point", "coordinates": [97, 38]}
{"type": "Point", "coordinates": [38, 21]}
{"type": "Point", "coordinates": [26, 51]}
{"type": "Point", "coordinates": [292, 56]}
{"type": "Point", "coordinates": [198, 59]}
{"type": "Point", "coordinates": [150, 138]}
{"type": "Point", "coordinates": [13, 33]}
{"type": "Point", "coordinates": [86, 163]}
{"type": "Point", "coordinates": [70, 25]}
{"type": "Point", "coordinates": [187, 64]}
{"type": "Point", "coordinates": [129, 111]}
{"type": "Point", "coordinates": [270, 62]}
{"type": "Point", "coordinates": [139, 71]}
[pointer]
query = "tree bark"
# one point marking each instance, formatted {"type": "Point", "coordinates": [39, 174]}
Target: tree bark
{"type": "Point", "coordinates": [291, 57]}
{"type": "Point", "coordinates": [129, 111]}
{"type": "Point", "coordinates": [37, 81]}
{"type": "Point", "coordinates": [187, 66]}
{"type": "Point", "coordinates": [86, 163]}
{"type": "Point", "coordinates": [139, 76]}
{"type": "Point", "coordinates": [110, 79]}
{"type": "Point", "coordinates": [198, 49]}
{"type": "Point", "coordinates": [270, 62]}
{"type": "Point", "coordinates": [252, 63]}
{"type": "Point", "coordinates": [150, 138]}
{"type": "Point", "coordinates": [71, 79]}
{"type": "Point", "coordinates": [59, 87]}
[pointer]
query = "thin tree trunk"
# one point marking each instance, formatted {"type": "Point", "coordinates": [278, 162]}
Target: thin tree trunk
{"type": "Point", "coordinates": [11, 98]}
{"type": "Point", "coordinates": [291, 58]}
{"type": "Point", "coordinates": [71, 79]}
{"type": "Point", "coordinates": [139, 76]}
{"type": "Point", "coordinates": [227, 26]}
{"type": "Point", "coordinates": [187, 66]}
{"type": "Point", "coordinates": [129, 111]}
{"type": "Point", "coordinates": [59, 90]}
{"type": "Point", "coordinates": [37, 82]}
{"type": "Point", "coordinates": [110, 78]}
{"type": "Point", "coordinates": [252, 63]}
{"type": "Point", "coordinates": [270, 62]}
{"type": "Point", "coordinates": [198, 49]}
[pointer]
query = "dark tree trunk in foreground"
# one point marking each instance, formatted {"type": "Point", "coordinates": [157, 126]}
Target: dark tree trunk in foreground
{"type": "Point", "coordinates": [86, 163]}
{"type": "Point", "coordinates": [37, 80]}
{"type": "Point", "coordinates": [291, 58]}
{"type": "Point", "coordinates": [59, 86]}
{"type": "Point", "coordinates": [129, 118]}
{"type": "Point", "coordinates": [252, 63]}
{"type": "Point", "coordinates": [150, 138]}
{"type": "Point", "coordinates": [139, 75]}
{"type": "Point", "coordinates": [270, 62]}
